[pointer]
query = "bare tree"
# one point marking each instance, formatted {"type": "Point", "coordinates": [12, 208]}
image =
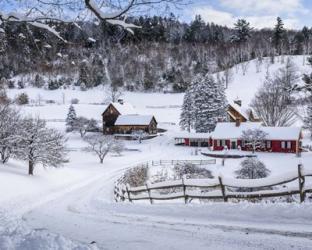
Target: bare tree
{"type": "Point", "coordinates": [139, 135]}
{"type": "Point", "coordinates": [9, 131]}
{"type": "Point", "coordinates": [101, 145]}
{"type": "Point", "coordinates": [271, 104]}
{"type": "Point", "coordinates": [84, 125]}
{"type": "Point", "coordinates": [254, 138]}
{"type": "Point", "coordinates": [39, 13]}
{"type": "Point", "coordinates": [40, 145]}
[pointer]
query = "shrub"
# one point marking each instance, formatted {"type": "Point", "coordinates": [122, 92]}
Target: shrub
{"type": "Point", "coordinates": [74, 101]}
{"type": "Point", "coordinates": [252, 168]}
{"type": "Point", "coordinates": [136, 176]}
{"type": "Point", "coordinates": [191, 171]}
{"type": "Point", "coordinates": [22, 99]}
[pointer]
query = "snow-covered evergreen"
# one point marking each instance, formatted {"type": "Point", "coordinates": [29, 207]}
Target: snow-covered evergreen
{"type": "Point", "coordinates": [71, 118]}
{"type": "Point", "coordinates": [210, 104]}
{"type": "Point", "coordinates": [187, 115]}
{"type": "Point", "coordinates": [308, 119]}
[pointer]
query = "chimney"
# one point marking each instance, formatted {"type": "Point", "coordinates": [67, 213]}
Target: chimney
{"type": "Point", "coordinates": [238, 102]}
{"type": "Point", "coordinates": [237, 122]}
{"type": "Point", "coordinates": [120, 101]}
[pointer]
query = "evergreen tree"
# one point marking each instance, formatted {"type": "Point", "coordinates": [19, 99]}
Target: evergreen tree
{"type": "Point", "coordinates": [308, 119]}
{"type": "Point", "coordinates": [242, 31]}
{"type": "Point", "coordinates": [210, 105]}
{"type": "Point", "coordinates": [71, 118]}
{"type": "Point", "coordinates": [187, 115]}
{"type": "Point", "coordinates": [278, 35]}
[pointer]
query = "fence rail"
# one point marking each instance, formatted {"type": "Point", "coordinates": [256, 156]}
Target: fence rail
{"type": "Point", "coordinates": [221, 188]}
{"type": "Point", "coordinates": [174, 162]}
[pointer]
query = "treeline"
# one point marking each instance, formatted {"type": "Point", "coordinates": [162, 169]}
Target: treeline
{"type": "Point", "coordinates": [164, 54]}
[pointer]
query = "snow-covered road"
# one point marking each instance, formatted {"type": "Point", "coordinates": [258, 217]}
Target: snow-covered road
{"type": "Point", "coordinates": [88, 214]}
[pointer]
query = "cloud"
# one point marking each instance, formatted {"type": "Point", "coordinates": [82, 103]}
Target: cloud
{"type": "Point", "coordinates": [210, 14]}
{"type": "Point", "coordinates": [265, 6]}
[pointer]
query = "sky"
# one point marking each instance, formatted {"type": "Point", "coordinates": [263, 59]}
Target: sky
{"type": "Point", "coordinates": [260, 13]}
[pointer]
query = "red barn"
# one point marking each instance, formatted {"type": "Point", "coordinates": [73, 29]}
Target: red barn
{"type": "Point", "coordinates": [278, 139]}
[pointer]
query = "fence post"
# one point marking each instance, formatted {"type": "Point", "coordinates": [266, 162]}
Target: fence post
{"type": "Point", "coordinates": [301, 179]}
{"type": "Point", "coordinates": [149, 192]}
{"type": "Point", "coordinates": [128, 191]}
{"type": "Point", "coordinates": [222, 189]}
{"type": "Point", "coordinates": [184, 189]}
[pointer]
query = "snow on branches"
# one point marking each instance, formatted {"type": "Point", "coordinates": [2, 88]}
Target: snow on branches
{"type": "Point", "coordinates": [101, 145]}
{"type": "Point", "coordinates": [39, 145]}
{"type": "Point", "coordinates": [254, 138]}
{"type": "Point", "coordinates": [204, 105]}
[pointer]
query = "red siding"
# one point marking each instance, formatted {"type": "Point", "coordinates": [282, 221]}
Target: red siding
{"type": "Point", "coordinates": [187, 141]}
{"type": "Point", "coordinates": [276, 146]}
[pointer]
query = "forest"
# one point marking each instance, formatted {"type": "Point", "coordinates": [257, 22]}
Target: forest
{"type": "Point", "coordinates": [163, 55]}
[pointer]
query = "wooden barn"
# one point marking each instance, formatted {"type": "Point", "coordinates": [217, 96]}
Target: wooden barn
{"type": "Point", "coordinates": [278, 139]}
{"type": "Point", "coordinates": [237, 112]}
{"type": "Point", "coordinates": [122, 118]}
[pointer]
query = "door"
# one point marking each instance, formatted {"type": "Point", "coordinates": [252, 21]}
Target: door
{"type": "Point", "coordinates": [233, 144]}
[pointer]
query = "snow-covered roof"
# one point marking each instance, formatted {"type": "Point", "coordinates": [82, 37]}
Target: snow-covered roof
{"type": "Point", "coordinates": [242, 110]}
{"type": "Point", "coordinates": [133, 120]}
{"type": "Point", "coordinates": [125, 108]}
{"type": "Point", "coordinates": [229, 130]}
{"type": "Point", "coordinates": [190, 135]}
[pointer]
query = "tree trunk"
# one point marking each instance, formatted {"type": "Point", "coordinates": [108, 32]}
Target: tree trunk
{"type": "Point", "coordinates": [30, 168]}
{"type": "Point", "coordinates": [101, 160]}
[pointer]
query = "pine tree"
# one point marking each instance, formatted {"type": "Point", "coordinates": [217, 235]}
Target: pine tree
{"type": "Point", "coordinates": [187, 115]}
{"type": "Point", "coordinates": [242, 31]}
{"type": "Point", "coordinates": [210, 105]}
{"type": "Point", "coordinates": [278, 35]}
{"type": "Point", "coordinates": [308, 119]}
{"type": "Point", "coordinates": [71, 118]}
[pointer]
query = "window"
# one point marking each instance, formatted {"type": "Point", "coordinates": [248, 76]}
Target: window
{"type": "Point", "coordinates": [289, 145]}
{"type": "Point", "coordinates": [268, 144]}
{"type": "Point", "coordinates": [222, 143]}
{"type": "Point", "coordinates": [283, 144]}
{"type": "Point", "coordinates": [218, 143]}
{"type": "Point", "coordinates": [243, 143]}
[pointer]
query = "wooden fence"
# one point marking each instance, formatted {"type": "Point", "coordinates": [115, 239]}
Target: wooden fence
{"type": "Point", "coordinates": [216, 188]}
{"type": "Point", "coordinates": [175, 162]}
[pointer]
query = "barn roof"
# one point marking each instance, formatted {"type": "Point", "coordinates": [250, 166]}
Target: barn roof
{"type": "Point", "coordinates": [190, 135]}
{"type": "Point", "coordinates": [124, 120]}
{"type": "Point", "coordinates": [229, 130]}
{"type": "Point", "coordinates": [124, 109]}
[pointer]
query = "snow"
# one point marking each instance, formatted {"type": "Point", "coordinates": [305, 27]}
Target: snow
{"type": "Point", "coordinates": [134, 120]}
{"type": "Point", "coordinates": [125, 108]}
{"type": "Point", "coordinates": [72, 206]}
{"type": "Point", "coordinates": [191, 135]}
{"type": "Point", "coordinates": [242, 110]}
{"type": "Point", "coordinates": [229, 130]}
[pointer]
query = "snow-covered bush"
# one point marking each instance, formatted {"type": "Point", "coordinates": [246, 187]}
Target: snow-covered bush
{"type": "Point", "coordinates": [252, 168]}
{"type": "Point", "coordinates": [22, 99]}
{"type": "Point", "coordinates": [74, 101]}
{"type": "Point", "coordinates": [254, 138]}
{"type": "Point", "coordinates": [136, 176]}
{"type": "Point", "coordinates": [191, 171]}
{"type": "Point", "coordinates": [70, 119]}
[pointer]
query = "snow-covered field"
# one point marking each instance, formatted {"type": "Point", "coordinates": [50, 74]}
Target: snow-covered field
{"type": "Point", "coordinates": [72, 206]}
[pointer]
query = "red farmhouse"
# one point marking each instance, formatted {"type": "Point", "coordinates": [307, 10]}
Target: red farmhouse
{"type": "Point", "coordinates": [278, 139]}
